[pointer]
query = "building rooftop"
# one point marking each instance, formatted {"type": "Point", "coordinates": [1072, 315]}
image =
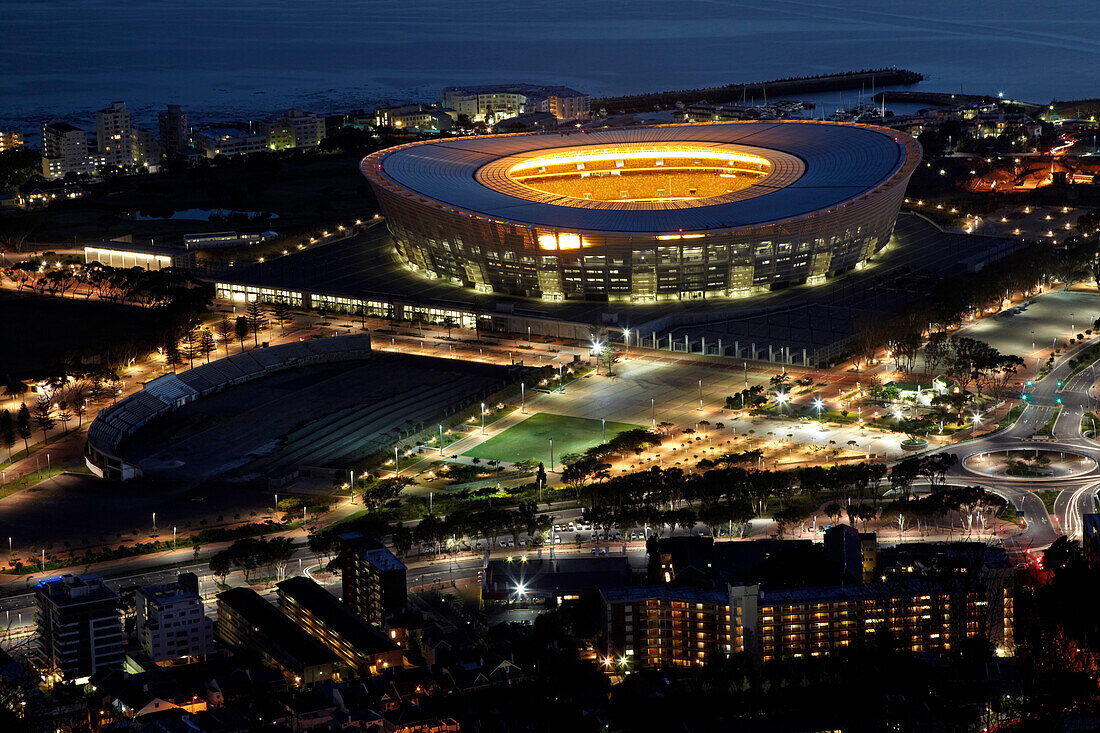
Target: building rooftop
{"type": "Point", "coordinates": [226, 133]}
{"type": "Point", "coordinates": [665, 593]}
{"type": "Point", "coordinates": [372, 551]}
{"type": "Point", "coordinates": [60, 126]}
{"type": "Point", "coordinates": [519, 88]}
{"type": "Point", "coordinates": [138, 247]}
{"type": "Point", "coordinates": [814, 166]}
{"type": "Point", "coordinates": [161, 595]}
{"type": "Point", "coordinates": [541, 576]}
{"type": "Point", "coordinates": [335, 616]}
{"type": "Point", "coordinates": [65, 590]}
{"type": "Point", "coordinates": [275, 625]}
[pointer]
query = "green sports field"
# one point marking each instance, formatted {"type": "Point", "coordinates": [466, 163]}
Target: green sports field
{"type": "Point", "coordinates": [530, 439]}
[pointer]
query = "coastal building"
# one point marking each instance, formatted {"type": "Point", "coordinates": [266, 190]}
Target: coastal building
{"type": "Point", "coordinates": [175, 136]}
{"type": "Point", "coordinates": [493, 102]}
{"type": "Point", "coordinates": [357, 643]}
{"type": "Point", "coordinates": [113, 135]}
{"type": "Point", "coordinates": [170, 622]}
{"type": "Point", "coordinates": [145, 147]}
{"type": "Point", "coordinates": [246, 622]}
{"type": "Point", "coordinates": [294, 129]}
{"type": "Point", "coordinates": [65, 150]}
{"type": "Point", "coordinates": [527, 122]}
{"type": "Point", "coordinates": [229, 142]}
{"type": "Point", "coordinates": [413, 117]}
{"type": "Point", "coordinates": [374, 579]}
{"type": "Point", "coordinates": [79, 626]}
{"type": "Point", "coordinates": [10, 140]}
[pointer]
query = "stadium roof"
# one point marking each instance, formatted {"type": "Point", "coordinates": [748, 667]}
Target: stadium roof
{"type": "Point", "coordinates": [816, 166]}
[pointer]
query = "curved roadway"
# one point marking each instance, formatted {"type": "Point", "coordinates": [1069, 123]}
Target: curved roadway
{"type": "Point", "coordinates": [1077, 495]}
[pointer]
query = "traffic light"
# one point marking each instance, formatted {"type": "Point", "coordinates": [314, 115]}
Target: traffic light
{"type": "Point", "coordinates": [1029, 383]}
{"type": "Point", "coordinates": [1059, 384]}
{"type": "Point", "coordinates": [1058, 400]}
{"type": "Point", "coordinates": [1025, 397]}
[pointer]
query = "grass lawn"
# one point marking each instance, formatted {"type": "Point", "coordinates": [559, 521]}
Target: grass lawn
{"type": "Point", "coordinates": [530, 438]}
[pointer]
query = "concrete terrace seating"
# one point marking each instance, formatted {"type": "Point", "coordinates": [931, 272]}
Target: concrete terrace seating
{"type": "Point", "coordinates": [166, 393]}
{"type": "Point", "coordinates": [360, 429]}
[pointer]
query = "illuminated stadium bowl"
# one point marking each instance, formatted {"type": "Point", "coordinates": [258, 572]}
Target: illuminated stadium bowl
{"type": "Point", "coordinates": [674, 211]}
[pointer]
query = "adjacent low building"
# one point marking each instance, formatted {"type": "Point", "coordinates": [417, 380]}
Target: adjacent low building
{"type": "Point", "coordinates": [145, 256]}
{"type": "Point", "coordinates": [358, 644]}
{"type": "Point", "coordinates": [294, 129]}
{"type": "Point", "coordinates": [551, 580]}
{"type": "Point", "coordinates": [228, 141]}
{"type": "Point", "coordinates": [79, 626]}
{"type": "Point", "coordinates": [414, 117]}
{"type": "Point", "coordinates": [247, 622]}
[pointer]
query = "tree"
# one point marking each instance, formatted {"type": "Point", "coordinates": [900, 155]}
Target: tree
{"type": "Point", "coordinates": [43, 416]}
{"type": "Point", "coordinates": [278, 553]}
{"type": "Point", "coordinates": [377, 493]}
{"type": "Point", "coordinates": [207, 344]}
{"type": "Point", "coordinates": [23, 425]}
{"type": "Point", "coordinates": [221, 564]}
{"type": "Point", "coordinates": [172, 354]}
{"type": "Point", "coordinates": [64, 414]}
{"type": "Point", "coordinates": [280, 311]}
{"type": "Point", "coordinates": [224, 329]}
{"type": "Point", "coordinates": [7, 431]}
{"type": "Point", "coordinates": [935, 352]}
{"type": "Point", "coordinates": [240, 328]}
{"type": "Point", "coordinates": [75, 394]}
{"type": "Point", "coordinates": [449, 323]}
{"type": "Point", "coordinates": [254, 311]}
{"type": "Point", "coordinates": [192, 338]}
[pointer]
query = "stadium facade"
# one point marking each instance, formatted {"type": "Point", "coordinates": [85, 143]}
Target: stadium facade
{"type": "Point", "coordinates": [643, 214]}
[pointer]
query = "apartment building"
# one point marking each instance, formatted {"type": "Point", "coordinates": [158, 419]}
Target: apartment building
{"type": "Point", "coordinates": [294, 129]}
{"type": "Point", "coordinates": [79, 626]}
{"type": "Point", "coordinates": [65, 150]}
{"type": "Point", "coordinates": [170, 622]}
{"type": "Point", "coordinates": [10, 140]}
{"type": "Point", "coordinates": [229, 142]}
{"type": "Point", "coordinates": [357, 643]}
{"type": "Point", "coordinates": [494, 102]}
{"type": "Point", "coordinates": [925, 598]}
{"type": "Point", "coordinates": [373, 578]}
{"type": "Point", "coordinates": [113, 135]}
{"type": "Point", "coordinates": [175, 136]}
{"type": "Point", "coordinates": [246, 622]}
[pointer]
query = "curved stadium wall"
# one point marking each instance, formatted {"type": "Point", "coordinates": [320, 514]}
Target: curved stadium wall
{"type": "Point", "coordinates": [666, 212]}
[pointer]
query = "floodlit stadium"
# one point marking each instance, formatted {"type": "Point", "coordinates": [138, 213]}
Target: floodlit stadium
{"type": "Point", "coordinates": [674, 211]}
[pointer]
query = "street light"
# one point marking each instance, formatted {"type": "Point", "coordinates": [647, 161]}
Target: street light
{"type": "Point", "coordinates": [482, 418]}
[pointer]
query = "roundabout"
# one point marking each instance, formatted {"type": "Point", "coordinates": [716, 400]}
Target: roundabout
{"type": "Point", "coordinates": [1030, 464]}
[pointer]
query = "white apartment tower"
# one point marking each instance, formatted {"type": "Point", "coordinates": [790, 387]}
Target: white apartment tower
{"type": "Point", "coordinates": [114, 136]}
{"type": "Point", "coordinates": [170, 622]}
